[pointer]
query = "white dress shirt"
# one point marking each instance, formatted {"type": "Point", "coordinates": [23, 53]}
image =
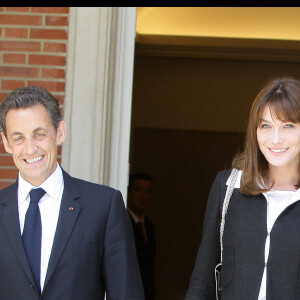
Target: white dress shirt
{"type": "Point", "coordinates": [277, 202]}
{"type": "Point", "coordinates": [137, 219]}
{"type": "Point", "coordinates": [49, 208]}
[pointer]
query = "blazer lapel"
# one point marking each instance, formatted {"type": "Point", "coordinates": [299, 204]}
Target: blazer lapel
{"type": "Point", "coordinates": [10, 219]}
{"type": "Point", "coordinates": [69, 211]}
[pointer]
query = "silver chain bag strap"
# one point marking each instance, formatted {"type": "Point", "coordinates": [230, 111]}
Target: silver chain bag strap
{"type": "Point", "coordinates": [229, 191]}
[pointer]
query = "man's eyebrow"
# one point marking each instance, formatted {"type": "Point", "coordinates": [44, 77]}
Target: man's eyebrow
{"type": "Point", "coordinates": [38, 129]}
{"type": "Point", "coordinates": [16, 133]}
{"type": "Point", "coordinates": [21, 133]}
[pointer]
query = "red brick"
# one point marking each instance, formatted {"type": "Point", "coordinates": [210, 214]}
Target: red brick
{"type": "Point", "coordinates": [59, 150]}
{"type": "Point", "coordinates": [8, 173]}
{"type": "Point", "coordinates": [49, 60]}
{"type": "Point", "coordinates": [2, 150]}
{"type": "Point", "coordinates": [52, 86]}
{"type": "Point", "coordinates": [14, 58]}
{"type": "Point", "coordinates": [19, 72]}
{"type": "Point", "coordinates": [6, 161]}
{"type": "Point", "coordinates": [19, 9]}
{"type": "Point", "coordinates": [11, 85]}
{"type": "Point", "coordinates": [55, 47]}
{"type": "Point", "coordinates": [62, 111]}
{"type": "Point", "coordinates": [4, 184]}
{"type": "Point", "coordinates": [19, 46]}
{"type": "Point", "coordinates": [62, 10]}
{"type": "Point", "coordinates": [16, 32]}
{"type": "Point", "coordinates": [1, 8]}
{"type": "Point", "coordinates": [60, 98]}
{"type": "Point", "coordinates": [59, 21]}
{"type": "Point", "coordinates": [53, 73]}
{"type": "Point", "coordinates": [2, 96]}
{"type": "Point", "coordinates": [55, 34]}
{"type": "Point", "coordinates": [20, 20]}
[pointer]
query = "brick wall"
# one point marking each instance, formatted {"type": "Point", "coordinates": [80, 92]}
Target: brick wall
{"type": "Point", "coordinates": [33, 44]}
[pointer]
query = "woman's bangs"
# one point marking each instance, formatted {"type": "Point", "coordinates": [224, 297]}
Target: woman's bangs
{"type": "Point", "coordinates": [284, 110]}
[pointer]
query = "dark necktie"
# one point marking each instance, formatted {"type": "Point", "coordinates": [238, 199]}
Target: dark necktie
{"type": "Point", "coordinates": [142, 230]}
{"type": "Point", "coordinates": [32, 234]}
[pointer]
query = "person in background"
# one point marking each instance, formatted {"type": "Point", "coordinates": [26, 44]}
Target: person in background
{"type": "Point", "coordinates": [61, 237]}
{"type": "Point", "coordinates": [262, 230]}
{"type": "Point", "coordinates": [139, 199]}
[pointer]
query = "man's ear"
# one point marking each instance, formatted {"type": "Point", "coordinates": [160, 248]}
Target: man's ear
{"type": "Point", "coordinates": [61, 132]}
{"type": "Point", "coordinates": [6, 144]}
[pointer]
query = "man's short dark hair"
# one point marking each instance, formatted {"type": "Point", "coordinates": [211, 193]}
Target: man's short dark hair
{"type": "Point", "coordinates": [25, 97]}
{"type": "Point", "coordinates": [139, 175]}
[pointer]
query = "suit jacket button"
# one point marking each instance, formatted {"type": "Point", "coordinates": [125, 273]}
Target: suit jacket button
{"type": "Point", "coordinates": [31, 285]}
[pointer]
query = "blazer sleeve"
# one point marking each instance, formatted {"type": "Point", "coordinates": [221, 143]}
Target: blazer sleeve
{"type": "Point", "coordinates": [121, 271]}
{"type": "Point", "coordinates": [202, 282]}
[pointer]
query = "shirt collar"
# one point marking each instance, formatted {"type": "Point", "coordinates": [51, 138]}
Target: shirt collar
{"type": "Point", "coordinates": [135, 217]}
{"type": "Point", "coordinates": [51, 185]}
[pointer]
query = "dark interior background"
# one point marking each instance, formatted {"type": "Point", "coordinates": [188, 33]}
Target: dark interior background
{"type": "Point", "coordinates": [189, 116]}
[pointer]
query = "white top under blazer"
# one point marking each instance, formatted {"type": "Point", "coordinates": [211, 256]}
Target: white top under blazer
{"type": "Point", "coordinates": [277, 202]}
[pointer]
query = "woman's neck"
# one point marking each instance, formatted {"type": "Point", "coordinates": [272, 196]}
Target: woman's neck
{"type": "Point", "coordinates": [284, 179]}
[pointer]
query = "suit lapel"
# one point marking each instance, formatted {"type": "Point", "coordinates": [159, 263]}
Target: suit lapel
{"type": "Point", "coordinates": [69, 211]}
{"type": "Point", "coordinates": [10, 219]}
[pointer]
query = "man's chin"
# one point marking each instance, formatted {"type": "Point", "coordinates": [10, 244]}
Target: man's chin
{"type": "Point", "coordinates": [34, 179]}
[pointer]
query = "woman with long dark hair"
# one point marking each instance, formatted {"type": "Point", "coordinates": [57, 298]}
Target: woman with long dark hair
{"type": "Point", "coordinates": [261, 239]}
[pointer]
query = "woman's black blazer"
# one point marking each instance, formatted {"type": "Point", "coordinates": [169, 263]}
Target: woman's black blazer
{"type": "Point", "coordinates": [244, 248]}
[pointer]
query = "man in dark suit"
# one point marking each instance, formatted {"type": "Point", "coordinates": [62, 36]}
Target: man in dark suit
{"type": "Point", "coordinates": [139, 198]}
{"type": "Point", "coordinates": [74, 241]}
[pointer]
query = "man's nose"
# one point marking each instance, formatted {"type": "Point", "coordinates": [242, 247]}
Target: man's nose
{"type": "Point", "coordinates": [30, 146]}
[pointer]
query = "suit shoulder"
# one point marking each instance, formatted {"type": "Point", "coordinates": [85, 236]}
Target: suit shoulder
{"type": "Point", "coordinates": [9, 189]}
{"type": "Point", "coordinates": [219, 183]}
{"type": "Point", "coordinates": [222, 176]}
{"type": "Point", "coordinates": [91, 193]}
{"type": "Point", "coordinates": [92, 187]}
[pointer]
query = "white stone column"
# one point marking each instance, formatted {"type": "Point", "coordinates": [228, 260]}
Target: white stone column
{"type": "Point", "coordinates": [98, 94]}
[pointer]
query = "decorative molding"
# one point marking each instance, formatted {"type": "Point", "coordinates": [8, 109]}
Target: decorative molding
{"type": "Point", "coordinates": [119, 143]}
{"type": "Point", "coordinates": [222, 48]}
{"type": "Point", "coordinates": [86, 88]}
{"type": "Point", "coordinates": [98, 94]}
